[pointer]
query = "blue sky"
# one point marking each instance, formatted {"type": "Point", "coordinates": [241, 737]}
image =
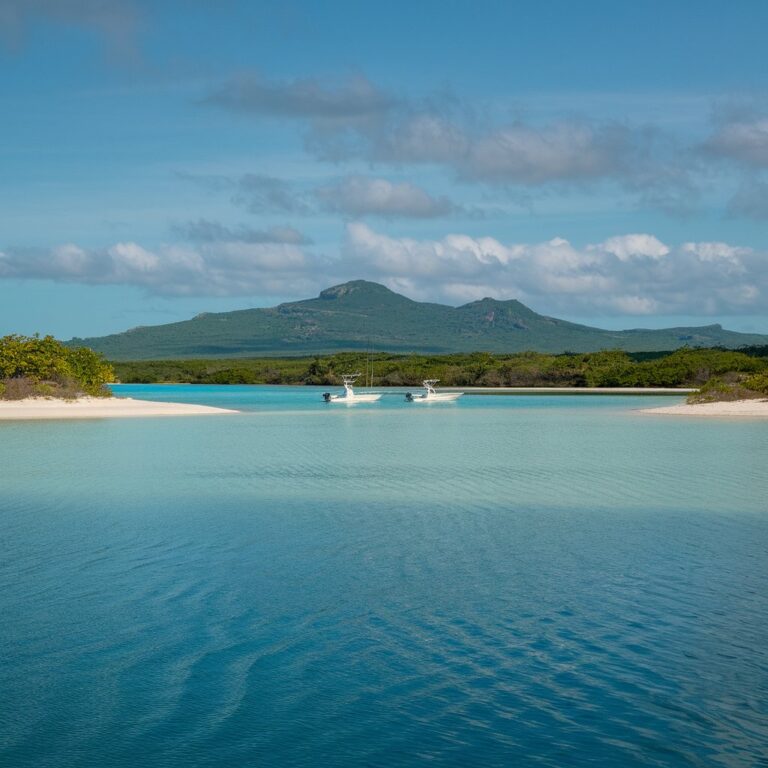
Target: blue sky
{"type": "Point", "coordinates": [603, 162]}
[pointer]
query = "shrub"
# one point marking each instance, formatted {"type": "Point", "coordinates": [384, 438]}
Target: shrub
{"type": "Point", "coordinates": [232, 376]}
{"type": "Point", "coordinates": [717, 390]}
{"type": "Point", "coordinates": [31, 366]}
{"type": "Point", "coordinates": [19, 388]}
{"type": "Point", "coordinates": [758, 382]}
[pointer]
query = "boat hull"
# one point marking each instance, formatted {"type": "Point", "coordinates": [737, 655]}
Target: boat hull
{"type": "Point", "coordinates": [367, 398]}
{"type": "Point", "coordinates": [440, 397]}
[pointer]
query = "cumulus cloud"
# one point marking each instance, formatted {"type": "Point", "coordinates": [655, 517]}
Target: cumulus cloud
{"type": "Point", "coordinates": [516, 153]}
{"type": "Point", "coordinates": [360, 121]}
{"type": "Point", "coordinates": [353, 196]}
{"type": "Point", "coordinates": [365, 196]}
{"type": "Point", "coordinates": [207, 231]}
{"type": "Point", "coordinates": [629, 247]}
{"type": "Point", "coordinates": [648, 165]}
{"type": "Point", "coordinates": [209, 269]}
{"type": "Point", "coordinates": [633, 274]}
{"type": "Point", "coordinates": [720, 253]}
{"type": "Point", "coordinates": [628, 274]}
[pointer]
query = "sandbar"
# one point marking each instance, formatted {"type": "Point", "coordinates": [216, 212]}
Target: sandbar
{"type": "Point", "coordinates": [736, 408]}
{"type": "Point", "coordinates": [98, 408]}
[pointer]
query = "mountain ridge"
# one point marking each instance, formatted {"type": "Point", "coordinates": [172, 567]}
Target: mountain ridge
{"type": "Point", "coordinates": [360, 314]}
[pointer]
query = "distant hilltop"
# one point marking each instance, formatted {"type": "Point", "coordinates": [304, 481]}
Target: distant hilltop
{"type": "Point", "coordinates": [361, 314]}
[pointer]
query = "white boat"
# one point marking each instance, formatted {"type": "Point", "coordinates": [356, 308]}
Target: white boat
{"type": "Point", "coordinates": [349, 395]}
{"type": "Point", "coordinates": [431, 396]}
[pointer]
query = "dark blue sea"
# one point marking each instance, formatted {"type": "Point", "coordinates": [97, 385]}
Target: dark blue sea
{"type": "Point", "coordinates": [501, 581]}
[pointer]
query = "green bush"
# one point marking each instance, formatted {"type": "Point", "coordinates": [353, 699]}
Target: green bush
{"type": "Point", "coordinates": [683, 368]}
{"type": "Point", "coordinates": [718, 390]}
{"type": "Point", "coordinates": [757, 383]}
{"type": "Point", "coordinates": [46, 367]}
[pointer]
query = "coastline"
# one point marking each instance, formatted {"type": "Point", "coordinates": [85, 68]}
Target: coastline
{"type": "Point", "coordinates": [751, 409]}
{"type": "Point", "coordinates": [127, 407]}
{"type": "Point", "coordinates": [38, 408]}
{"type": "Point", "coordinates": [651, 391]}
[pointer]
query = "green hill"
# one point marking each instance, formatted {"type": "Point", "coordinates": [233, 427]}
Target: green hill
{"type": "Point", "coordinates": [361, 314]}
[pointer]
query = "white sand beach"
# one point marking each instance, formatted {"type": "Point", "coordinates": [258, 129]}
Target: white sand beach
{"type": "Point", "coordinates": [98, 408]}
{"type": "Point", "coordinates": [736, 408]}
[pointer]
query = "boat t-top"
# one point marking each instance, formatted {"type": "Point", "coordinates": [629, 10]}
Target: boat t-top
{"type": "Point", "coordinates": [431, 396]}
{"type": "Point", "coordinates": [349, 395]}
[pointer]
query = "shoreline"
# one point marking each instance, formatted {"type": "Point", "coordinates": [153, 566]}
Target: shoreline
{"type": "Point", "coordinates": [469, 390]}
{"type": "Point", "coordinates": [37, 409]}
{"type": "Point", "coordinates": [650, 391]}
{"type": "Point", "coordinates": [742, 409]}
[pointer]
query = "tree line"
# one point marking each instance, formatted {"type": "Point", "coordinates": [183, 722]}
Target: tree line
{"type": "Point", "coordinates": [611, 368]}
{"type": "Point", "coordinates": [43, 366]}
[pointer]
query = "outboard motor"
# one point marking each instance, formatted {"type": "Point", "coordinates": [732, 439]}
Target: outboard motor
{"type": "Point", "coordinates": [327, 397]}
{"type": "Point", "coordinates": [409, 397]}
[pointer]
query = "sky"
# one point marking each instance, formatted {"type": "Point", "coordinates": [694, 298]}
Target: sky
{"type": "Point", "coordinates": [602, 162]}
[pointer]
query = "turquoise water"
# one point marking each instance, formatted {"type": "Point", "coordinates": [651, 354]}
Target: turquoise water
{"type": "Point", "coordinates": [501, 581]}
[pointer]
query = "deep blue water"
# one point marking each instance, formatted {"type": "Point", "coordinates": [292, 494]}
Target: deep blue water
{"type": "Point", "coordinates": [502, 581]}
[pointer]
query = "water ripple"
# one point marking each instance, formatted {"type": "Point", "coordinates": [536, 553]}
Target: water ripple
{"type": "Point", "coordinates": [485, 585]}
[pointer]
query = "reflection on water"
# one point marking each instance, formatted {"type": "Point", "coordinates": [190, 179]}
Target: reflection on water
{"type": "Point", "coordinates": [500, 581]}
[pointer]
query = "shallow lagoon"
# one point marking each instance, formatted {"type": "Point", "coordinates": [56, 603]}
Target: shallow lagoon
{"type": "Point", "coordinates": [503, 580]}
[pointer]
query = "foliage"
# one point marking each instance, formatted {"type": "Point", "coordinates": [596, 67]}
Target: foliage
{"type": "Point", "coordinates": [361, 315]}
{"type": "Point", "coordinates": [732, 386]}
{"type": "Point", "coordinates": [758, 382]}
{"type": "Point", "coordinates": [609, 368]}
{"type": "Point", "coordinates": [35, 366]}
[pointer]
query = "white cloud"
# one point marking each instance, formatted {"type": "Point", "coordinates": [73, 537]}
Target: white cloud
{"type": "Point", "coordinates": [131, 258]}
{"type": "Point", "coordinates": [518, 153]}
{"type": "Point", "coordinates": [359, 120]}
{"type": "Point", "coordinates": [627, 247]}
{"type": "Point", "coordinates": [634, 305]}
{"type": "Point", "coordinates": [364, 196]}
{"type": "Point", "coordinates": [633, 274]}
{"type": "Point", "coordinates": [212, 269]}
{"type": "Point", "coordinates": [563, 151]}
{"type": "Point", "coordinates": [630, 274]}
{"type": "Point", "coordinates": [68, 258]}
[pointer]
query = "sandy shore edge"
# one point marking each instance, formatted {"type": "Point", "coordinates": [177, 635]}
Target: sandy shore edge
{"type": "Point", "coordinates": [752, 409]}
{"type": "Point", "coordinates": [99, 408]}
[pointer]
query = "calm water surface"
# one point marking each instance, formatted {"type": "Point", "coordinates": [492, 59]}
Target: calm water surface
{"type": "Point", "coordinates": [501, 581]}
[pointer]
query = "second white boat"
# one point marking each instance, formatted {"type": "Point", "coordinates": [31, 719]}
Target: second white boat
{"type": "Point", "coordinates": [431, 395]}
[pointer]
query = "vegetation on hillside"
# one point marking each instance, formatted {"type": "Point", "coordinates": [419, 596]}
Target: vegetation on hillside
{"type": "Point", "coordinates": [684, 367]}
{"type": "Point", "coordinates": [31, 366]}
{"type": "Point", "coordinates": [360, 315]}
